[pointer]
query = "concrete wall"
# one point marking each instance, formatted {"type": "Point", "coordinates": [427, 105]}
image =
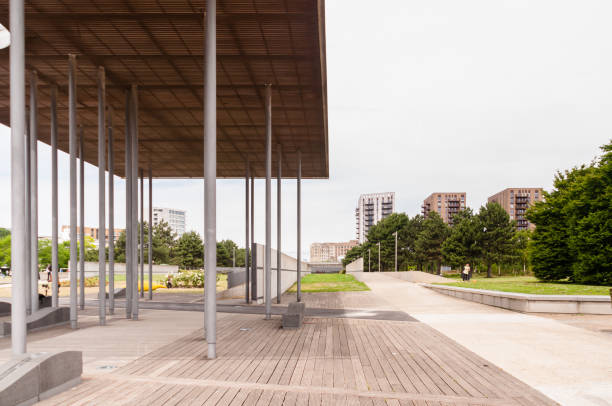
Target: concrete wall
{"type": "Point", "coordinates": [288, 271]}
{"type": "Point", "coordinates": [91, 268]}
{"type": "Point", "coordinates": [417, 277]}
{"type": "Point", "coordinates": [568, 304]}
{"type": "Point", "coordinates": [325, 267]}
{"type": "Point", "coordinates": [355, 266]}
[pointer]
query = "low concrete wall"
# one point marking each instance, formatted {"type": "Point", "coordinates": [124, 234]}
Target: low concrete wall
{"type": "Point", "coordinates": [325, 267]}
{"type": "Point", "coordinates": [91, 268]}
{"type": "Point", "coordinates": [37, 377]}
{"type": "Point", "coordinates": [288, 272]}
{"type": "Point", "coordinates": [569, 304]}
{"type": "Point", "coordinates": [355, 266]}
{"type": "Point", "coordinates": [43, 318]}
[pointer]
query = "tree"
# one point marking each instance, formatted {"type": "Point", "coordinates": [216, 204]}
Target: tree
{"type": "Point", "coordinates": [573, 235]}
{"type": "Point", "coordinates": [463, 245]}
{"type": "Point", "coordinates": [497, 234]}
{"type": "Point", "coordinates": [5, 250]}
{"type": "Point", "coordinates": [189, 251]}
{"type": "Point", "coordinates": [521, 242]}
{"type": "Point", "coordinates": [429, 242]}
{"type": "Point", "coordinates": [63, 253]}
{"type": "Point", "coordinates": [353, 254]}
{"type": "Point", "coordinates": [4, 232]}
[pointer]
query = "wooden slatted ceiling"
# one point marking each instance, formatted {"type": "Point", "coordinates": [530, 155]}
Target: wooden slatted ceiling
{"type": "Point", "coordinates": [158, 45]}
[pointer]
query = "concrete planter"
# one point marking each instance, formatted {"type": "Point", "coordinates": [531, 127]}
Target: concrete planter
{"type": "Point", "coordinates": [521, 302]}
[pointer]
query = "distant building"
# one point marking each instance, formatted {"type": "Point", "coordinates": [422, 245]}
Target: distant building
{"type": "Point", "coordinates": [516, 201]}
{"type": "Point", "coordinates": [330, 251]}
{"type": "Point", "coordinates": [92, 232]}
{"type": "Point", "coordinates": [446, 204]}
{"type": "Point", "coordinates": [174, 217]}
{"type": "Point", "coordinates": [372, 208]}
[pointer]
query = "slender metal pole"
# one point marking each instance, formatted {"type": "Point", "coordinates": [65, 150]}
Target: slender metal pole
{"type": "Point", "coordinates": [299, 226]}
{"type": "Point", "coordinates": [279, 174]}
{"type": "Point", "coordinates": [73, 147]}
{"type": "Point", "coordinates": [141, 245]}
{"type": "Point", "coordinates": [128, 204]}
{"type": "Point", "coordinates": [34, 189]}
{"type": "Point", "coordinates": [233, 257]}
{"type": "Point", "coordinates": [28, 217]}
{"type": "Point", "coordinates": [379, 256]}
{"type": "Point", "coordinates": [210, 177]}
{"type": "Point", "coordinates": [268, 256]}
{"type": "Point", "coordinates": [81, 220]}
{"type": "Point", "coordinates": [134, 225]}
{"type": "Point", "coordinates": [111, 214]}
{"type": "Point", "coordinates": [18, 171]}
{"type": "Point", "coordinates": [253, 253]}
{"type": "Point", "coordinates": [54, 202]}
{"type": "Point", "coordinates": [369, 257]}
{"type": "Point", "coordinates": [247, 243]}
{"type": "Point", "coordinates": [101, 196]}
{"type": "Point", "coordinates": [395, 251]}
{"type": "Point", "coordinates": [150, 244]}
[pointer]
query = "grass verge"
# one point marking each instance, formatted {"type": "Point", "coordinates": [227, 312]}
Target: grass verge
{"type": "Point", "coordinates": [330, 283]}
{"type": "Point", "coordinates": [530, 284]}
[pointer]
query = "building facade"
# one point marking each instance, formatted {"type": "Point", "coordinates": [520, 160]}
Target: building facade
{"type": "Point", "coordinates": [174, 217]}
{"type": "Point", "coordinates": [92, 232]}
{"type": "Point", "coordinates": [371, 208]}
{"type": "Point", "coordinates": [516, 201]}
{"type": "Point", "coordinates": [330, 251]}
{"type": "Point", "coordinates": [446, 204]}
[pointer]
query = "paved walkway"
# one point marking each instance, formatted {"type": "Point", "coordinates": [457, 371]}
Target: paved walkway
{"type": "Point", "coordinates": [572, 365]}
{"type": "Point", "coordinates": [160, 359]}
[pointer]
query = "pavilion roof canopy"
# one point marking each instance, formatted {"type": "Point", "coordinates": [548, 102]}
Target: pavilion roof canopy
{"type": "Point", "coordinates": [158, 45]}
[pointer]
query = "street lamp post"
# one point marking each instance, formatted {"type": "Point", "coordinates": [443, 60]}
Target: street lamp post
{"type": "Point", "coordinates": [395, 234]}
{"type": "Point", "coordinates": [369, 256]}
{"type": "Point", "coordinates": [379, 268]}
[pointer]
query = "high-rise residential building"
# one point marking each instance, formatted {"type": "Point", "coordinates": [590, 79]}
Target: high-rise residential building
{"type": "Point", "coordinates": [174, 217]}
{"type": "Point", "coordinates": [330, 251]}
{"type": "Point", "coordinates": [516, 201]}
{"type": "Point", "coordinates": [372, 208]}
{"type": "Point", "coordinates": [446, 204]}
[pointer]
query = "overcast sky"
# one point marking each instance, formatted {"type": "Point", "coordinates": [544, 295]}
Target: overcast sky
{"type": "Point", "coordinates": [424, 96]}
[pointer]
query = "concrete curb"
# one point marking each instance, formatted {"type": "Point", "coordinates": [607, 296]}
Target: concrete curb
{"type": "Point", "coordinates": [46, 317]}
{"type": "Point", "coordinates": [527, 303]}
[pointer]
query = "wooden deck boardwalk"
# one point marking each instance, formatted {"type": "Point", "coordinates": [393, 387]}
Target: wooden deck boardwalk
{"type": "Point", "coordinates": [329, 361]}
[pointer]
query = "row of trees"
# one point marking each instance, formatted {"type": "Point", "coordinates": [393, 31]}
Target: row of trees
{"type": "Point", "coordinates": [573, 236]}
{"type": "Point", "coordinates": [186, 251]}
{"type": "Point", "coordinates": [488, 237]}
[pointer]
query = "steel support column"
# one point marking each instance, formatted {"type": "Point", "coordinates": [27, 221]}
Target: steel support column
{"type": "Point", "coordinates": [247, 246]}
{"type": "Point", "coordinates": [279, 175]}
{"type": "Point", "coordinates": [128, 204]}
{"type": "Point", "coordinates": [111, 214]}
{"type": "Point", "coordinates": [101, 196]}
{"type": "Point", "coordinates": [299, 226]}
{"type": "Point", "coordinates": [34, 275]}
{"type": "Point", "coordinates": [54, 202]}
{"type": "Point", "coordinates": [81, 219]}
{"type": "Point", "coordinates": [28, 217]}
{"type": "Point", "coordinates": [134, 225]}
{"type": "Point", "coordinates": [253, 246]}
{"type": "Point", "coordinates": [210, 177]}
{"type": "Point", "coordinates": [150, 236]}
{"type": "Point", "coordinates": [73, 148]}
{"type": "Point", "coordinates": [141, 245]}
{"type": "Point", "coordinates": [18, 171]}
{"type": "Point", "coordinates": [268, 255]}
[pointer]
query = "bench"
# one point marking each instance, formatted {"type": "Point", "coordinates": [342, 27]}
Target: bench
{"type": "Point", "coordinates": [294, 316]}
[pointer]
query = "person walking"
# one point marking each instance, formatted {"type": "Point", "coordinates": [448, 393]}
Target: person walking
{"type": "Point", "coordinates": [465, 275]}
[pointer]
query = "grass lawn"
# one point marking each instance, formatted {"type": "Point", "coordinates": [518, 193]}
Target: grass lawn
{"type": "Point", "coordinates": [529, 284]}
{"type": "Point", "coordinates": [330, 282]}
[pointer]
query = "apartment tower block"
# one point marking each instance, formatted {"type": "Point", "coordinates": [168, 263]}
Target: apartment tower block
{"type": "Point", "coordinates": [516, 201]}
{"type": "Point", "coordinates": [446, 204]}
{"type": "Point", "coordinates": [371, 208]}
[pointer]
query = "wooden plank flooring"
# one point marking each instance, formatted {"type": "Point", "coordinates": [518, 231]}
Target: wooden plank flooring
{"type": "Point", "coordinates": [329, 361]}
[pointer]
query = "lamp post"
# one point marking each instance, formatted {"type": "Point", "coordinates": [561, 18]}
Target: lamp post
{"type": "Point", "coordinates": [379, 269]}
{"type": "Point", "coordinates": [369, 256]}
{"type": "Point", "coordinates": [395, 234]}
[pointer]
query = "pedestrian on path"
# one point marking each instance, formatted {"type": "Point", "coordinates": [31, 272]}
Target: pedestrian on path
{"type": "Point", "coordinates": [465, 275]}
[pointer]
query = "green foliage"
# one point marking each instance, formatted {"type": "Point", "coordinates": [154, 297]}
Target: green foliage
{"type": "Point", "coordinates": [5, 250]}
{"type": "Point", "coordinates": [573, 236]}
{"type": "Point", "coordinates": [4, 232]}
{"type": "Point", "coordinates": [63, 253]}
{"type": "Point", "coordinates": [531, 285]}
{"type": "Point", "coordinates": [463, 244]}
{"type": "Point", "coordinates": [330, 282]}
{"type": "Point", "coordinates": [190, 250]}
{"type": "Point", "coordinates": [496, 239]}
{"type": "Point", "coordinates": [351, 255]}
{"type": "Point", "coordinates": [429, 241]}
{"type": "Point", "coordinates": [189, 279]}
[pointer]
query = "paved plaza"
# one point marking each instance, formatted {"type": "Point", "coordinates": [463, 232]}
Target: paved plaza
{"type": "Point", "coordinates": [434, 355]}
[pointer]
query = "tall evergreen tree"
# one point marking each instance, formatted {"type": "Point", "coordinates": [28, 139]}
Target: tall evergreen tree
{"type": "Point", "coordinates": [496, 238]}
{"type": "Point", "coordinates": [463, 244]}
{"type": "Point", "coordinates": [429, 242]}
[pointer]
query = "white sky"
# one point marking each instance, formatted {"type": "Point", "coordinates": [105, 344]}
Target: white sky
{"type": "Point", "coordinates": [472, 95]}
